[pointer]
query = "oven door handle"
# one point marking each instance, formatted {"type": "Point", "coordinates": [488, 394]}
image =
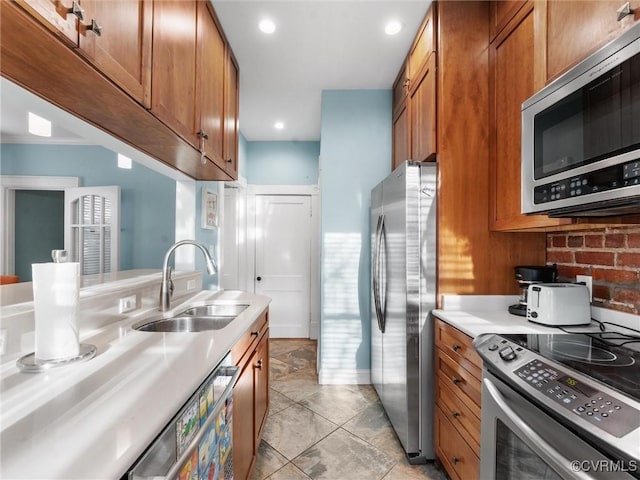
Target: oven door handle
{"type": "Point", "coordinates": [561, 464]}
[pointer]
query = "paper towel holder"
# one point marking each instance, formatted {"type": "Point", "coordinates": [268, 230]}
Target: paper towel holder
{"type": "Point", "coordinates": [30, 364]}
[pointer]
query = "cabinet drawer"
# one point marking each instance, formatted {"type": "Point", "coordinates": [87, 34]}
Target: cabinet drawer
{"type": "Point", "coordinates": [249, 339]}
{"type": "Point", "coordinates": [455, 454]}
{"type": "Point", "coordinates": [459, 347]}
{"type": "Point", "coordinates": [459, 380]}
{"type": "Point", "coordinates": [465, 417]}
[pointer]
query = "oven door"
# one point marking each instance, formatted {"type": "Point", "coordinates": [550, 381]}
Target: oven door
{"type": "Point", "coordinates": [518, 440]}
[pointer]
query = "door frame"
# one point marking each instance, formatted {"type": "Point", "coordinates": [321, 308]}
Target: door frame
{"type": "Point", "coordinates": [8, 186]}
{"type": "Point", "coordinates": [312, 191]}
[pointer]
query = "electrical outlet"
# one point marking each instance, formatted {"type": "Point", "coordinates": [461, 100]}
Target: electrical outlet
{"type": "Point", "coordinates": [586, 279]}
{"type": "Point", "coordinates": [191, 285]}
{"type": "Point", "coordinates": [3, 341]}
{"type": "Point", "coordinates": [127, 304]}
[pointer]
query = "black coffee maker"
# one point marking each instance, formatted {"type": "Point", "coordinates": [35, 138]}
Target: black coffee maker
{"type": "Point", "coordinates": [527, 275]}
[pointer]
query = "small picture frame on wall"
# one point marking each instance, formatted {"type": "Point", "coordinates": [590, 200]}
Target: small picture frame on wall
{"type": "Point", "coordinates": [209, 209]}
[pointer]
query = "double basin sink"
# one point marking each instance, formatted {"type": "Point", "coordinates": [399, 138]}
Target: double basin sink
{"type": "Point", "coordinates": [195, 319]}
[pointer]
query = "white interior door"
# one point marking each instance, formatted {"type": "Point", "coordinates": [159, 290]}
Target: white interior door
{"type": "Point", "coordinates": [283, 260]}
{"type": "Point", "coordinates": [92, 228]}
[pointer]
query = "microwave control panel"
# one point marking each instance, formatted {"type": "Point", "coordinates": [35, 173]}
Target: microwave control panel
{"type": "Point", "coordinates": [610, 178]}
{"type": "Point", "coordinates": [608, 413]}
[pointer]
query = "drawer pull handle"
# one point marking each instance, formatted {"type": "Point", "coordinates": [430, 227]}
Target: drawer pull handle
{"type": "Point", "coordinates": [76, 10]}
{"type": "Point", "coordinates": [455, 380]}
{"type": "Point", "coordinates": [455, 347]}
{"type": "Point", "coordinates": [455, 414]}
{"type": "Point", "coordinates": [255, 333]}
{"type": "Point", "coordinates": [259, 364]}
{"type": "Point", "coordinates": [454, 460]}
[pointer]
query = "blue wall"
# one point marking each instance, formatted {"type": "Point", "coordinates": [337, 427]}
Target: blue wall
{"type": "Point", "coordinates": [282, 163]}
{"type": "Point", "coordinates": [147, 202]}
{"type": "Point", "coordinates": [355, 155]}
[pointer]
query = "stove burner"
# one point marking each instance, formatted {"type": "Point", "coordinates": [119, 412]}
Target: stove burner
{"type": "Point", "coordinates": [589, 354]}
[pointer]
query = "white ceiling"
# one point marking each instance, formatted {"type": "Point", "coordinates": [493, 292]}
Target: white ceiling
{"type": "Point", "coordinates": [318, 45]}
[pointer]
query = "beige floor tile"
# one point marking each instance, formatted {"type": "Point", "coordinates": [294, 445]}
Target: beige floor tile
{"type": "Point", "coordinates": [299, 358]}
{"type": "Point", "coordinates": [278, 402]}
{"type": "Point", "coordinates": [278, 346]}
{"type": "Point", "coordinates": [342, 455]}
{"type": "Point", "coordinates": [279, 369]}
{"type": "Point", "coordinates": [289, 472]}
{"type": "Point", "coordinates": [338, 403]}
{"type": "Point", "coordinates": [297, 385]}
{"type": "Point", "coordinates": [284, 433]}
{"type": "Point", "coordinates": [268, 461]}
{"type": "Point", "coordinates": [415, 472]}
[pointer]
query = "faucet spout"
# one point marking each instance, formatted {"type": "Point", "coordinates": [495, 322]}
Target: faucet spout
{"type": "Point", "coordinates": [166, 287]}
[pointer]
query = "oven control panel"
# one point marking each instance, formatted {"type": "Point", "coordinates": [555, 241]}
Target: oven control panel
{"type": "Point", "coordinates": [599, 409]}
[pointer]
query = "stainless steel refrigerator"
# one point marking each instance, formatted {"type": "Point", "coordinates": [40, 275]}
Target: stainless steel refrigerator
{"type": "Point", "coordinates": [403, 262]}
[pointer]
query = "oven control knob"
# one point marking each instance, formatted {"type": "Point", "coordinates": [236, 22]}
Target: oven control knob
{"type": "Point", "coordinates": [493, 348]}
{"type": "Point", "coordinates": [507, 354]}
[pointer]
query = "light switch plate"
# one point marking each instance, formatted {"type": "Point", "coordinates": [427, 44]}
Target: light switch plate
{"type": "Point", "coordinates": [128, 304]}
{"type": "Point", "coordinates": [587, 280]}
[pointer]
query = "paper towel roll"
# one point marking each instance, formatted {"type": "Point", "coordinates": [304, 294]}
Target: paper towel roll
{"type": "Point", "coordinates": [56, 289]}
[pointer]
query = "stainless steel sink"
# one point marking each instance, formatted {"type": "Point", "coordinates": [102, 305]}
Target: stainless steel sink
{"type": "Point", "coordinates": [216, 310]}
{"type": "Point", "coordinates": [184, 323]}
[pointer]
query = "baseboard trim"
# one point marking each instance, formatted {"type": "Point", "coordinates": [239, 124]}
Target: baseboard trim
{"type": "Point", "coordinates": [335, 376]}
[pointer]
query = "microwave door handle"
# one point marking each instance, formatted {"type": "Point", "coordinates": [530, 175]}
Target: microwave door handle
{"type": "Point", "coordinates": [560, 463]}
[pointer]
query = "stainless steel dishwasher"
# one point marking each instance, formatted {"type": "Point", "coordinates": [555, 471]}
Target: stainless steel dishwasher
{"type": "Point", "coordinates": [196, 444]}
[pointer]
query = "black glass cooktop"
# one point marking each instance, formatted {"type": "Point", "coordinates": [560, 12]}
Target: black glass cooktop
{"type": "Point", "coordinates": [609, 357]}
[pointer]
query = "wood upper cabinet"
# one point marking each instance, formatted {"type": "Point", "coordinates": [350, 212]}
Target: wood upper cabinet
{"type": "Point", "coordinates": [231, 113]}
{"type": "Point", "coordinates": [422, 113]}
{"type": "Point", "coordinates": [577, 28]}
{"type": "Point", "coordinates": [122, 49]}
{"type": "Point", "coordinates": [57, 16]}
{"type": "Point", "coordinates": [173, 97]}
{"type": "Point", "coordinates": [501, 11]}
{"type": "Point", "coordinates": [414, 98]}
{"type": "Point", "coordinates": [211, 79]}
{"type": "Point", "coordinates": [515, 75]}
{"type": "Point", "coordinates": [401, 149]}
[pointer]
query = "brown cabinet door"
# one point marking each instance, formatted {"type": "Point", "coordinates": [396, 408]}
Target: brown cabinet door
{"type": "Point", "coordinates": [122, 50]}
{"type": "Point", "coordinates": [173, 96]}
{"type": "Point", "coordinates": [577, 28]}
{"type": "Point", "coordinates": [211, 64]}
{"type": "Point", "coordinates": [401, 138]}
{"type": "Point", "coordinates": [261, 387]}
{"type": "Point", "coordinates": [243, 428]}
{"type": "Point", "coordinates": [422, 111]}
{"type": "Point", "coordinates": [501, 11]}
{"type": "Point", "coordinates": [512, 81]}
{"type": "Point", "coordinates": [423, 45]}
{"type": "Point", "coordinates": [56, 16]}
{"type": "Point", "coordinates": [231, 111]}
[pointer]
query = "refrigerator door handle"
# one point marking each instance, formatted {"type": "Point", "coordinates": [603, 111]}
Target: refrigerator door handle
{"type": "Point", "coordinates": [376, 273]}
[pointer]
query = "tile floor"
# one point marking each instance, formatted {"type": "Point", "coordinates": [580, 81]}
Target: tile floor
{"type": "Point", "coordinates": [330, 432]}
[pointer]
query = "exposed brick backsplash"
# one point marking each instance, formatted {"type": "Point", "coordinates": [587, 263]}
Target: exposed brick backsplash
{"type": "Point", "coordinates": [611, 256]}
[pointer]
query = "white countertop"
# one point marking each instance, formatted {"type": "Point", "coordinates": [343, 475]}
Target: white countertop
{"type": "Point", "coordinates": [94, 419]}
{"type": "Point", "coordinates": [478, 314]}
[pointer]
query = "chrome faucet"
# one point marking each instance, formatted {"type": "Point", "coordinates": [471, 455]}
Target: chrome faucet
{"type": "Point", "coordinates": [166, 288]}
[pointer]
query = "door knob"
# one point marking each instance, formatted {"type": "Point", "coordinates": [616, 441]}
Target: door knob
{"type": "Point", "coordinates": [258, 278]}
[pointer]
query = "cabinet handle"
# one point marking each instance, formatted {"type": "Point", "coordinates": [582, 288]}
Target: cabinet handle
{"type": "Point", "coordinates": [454, 460]}
{"type": "Point", "coordinates": [255, 333]}
{"type": "Point", "coordinates": [624, 11]}
{"type": "Point", "coordinates": [94, 27]}
{"type": "Point", "coordinates": [77, 10]}
{"type": "Point", "coordinates": [455, 347]}
{"type": "Point", "coordinates": [203, 136]}
{"type": "Point", "coordinates": [259, 364]}
{"type": "Point", "coordinates": [455, 380]}
{"type": "Point", "coordinates": [230, 161]}
{"type": "Point", "coordinates": [455, 414]}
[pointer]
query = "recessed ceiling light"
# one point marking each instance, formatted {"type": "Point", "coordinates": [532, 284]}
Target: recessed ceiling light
{"type": "Point", "coordinates": [39, 126]}
{"type": "Point", "coordinates": [124, 161]}
{"type": "Point", "coordinates": [267, 26]}
{"type": "Point", "coordinates": [393, 27]}
{"type": "Point", "coordinates": [278, 125]}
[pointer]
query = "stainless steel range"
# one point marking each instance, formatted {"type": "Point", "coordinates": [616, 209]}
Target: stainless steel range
{"type": "Point", "coordinates": [560, 406]}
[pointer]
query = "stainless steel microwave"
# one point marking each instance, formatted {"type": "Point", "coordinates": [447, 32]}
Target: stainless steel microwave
{"type": "Point", "coordinates": [581, 137]}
